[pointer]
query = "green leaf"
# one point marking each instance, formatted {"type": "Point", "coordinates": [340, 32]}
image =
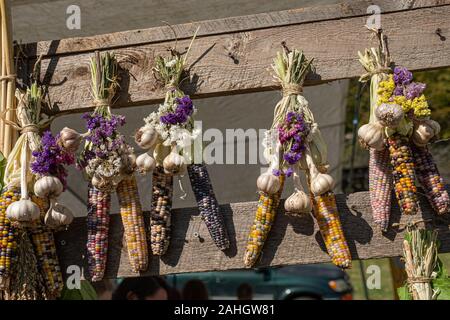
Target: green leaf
{"type": "Point", "coordinates": [443, 285]}
{"type": "Point", "coordinates": [2, 169]}
{"type": "Point", "coordinates": [86, 292]}
{"type": "Point", "coordinates": [403, 293]}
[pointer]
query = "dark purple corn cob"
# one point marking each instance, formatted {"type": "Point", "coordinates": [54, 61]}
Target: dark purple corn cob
{"type": "Point", "coordinates": [162, 187]}
{"type": "Point", "coordinates": [208, 205]}
{"type": "Point", "coordinates": [428, 175]}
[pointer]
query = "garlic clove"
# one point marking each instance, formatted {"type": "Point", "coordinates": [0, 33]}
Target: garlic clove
{"type": "Point", "coordinates": [146, 137]}
{"type": "Point", "coordinates": [321, 184]}
{"type": "Point", "coordinates": [70, 139]}
{"type": "Point", "coordinates": [145, 163]}
{"type": "Point", "coordinates": [174, 164]}
{"type": "Point", "coordinates": [372, 135]}
{"type": "Point", "coordinates": [268, 183]}
{"type": "Point", "coordinates": [298, 203]}
{"type": "Point", "coordinates": [58, 215]}
{"type": "Point", "coordinates": [389, 114]}
{"type": "Point", "coordinates": [48, 187]}
{"type": "Point", "coordinates": [23, 211]}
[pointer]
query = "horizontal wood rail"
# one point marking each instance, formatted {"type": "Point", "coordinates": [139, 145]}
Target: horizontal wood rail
{"type": "Point", "coordinates": [232, 55]}
{"type": "Point", "coordinates": [293, 240]}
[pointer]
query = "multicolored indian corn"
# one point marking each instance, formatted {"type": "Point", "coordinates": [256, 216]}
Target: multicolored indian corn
{"type": "Point", "coordinates": [428, 175]}
{"type": "Point", "coordinates": [97, 229]}
{"type": "Point", "coordinates": [133, 223]}
{"type": "Point", "coordinates": [45, 250]}
{"type": "Point", "coordinates": [327, 216]}
{"type": "Point", "coordinates": [380, 186]}
{"type": "Point", "coordinates": [8, 235]}
{"type": "Point", "coordinates": [162, 187]}
{"type": "Point", "coordinates": [264, 218]}
{"type": "Point", "coordinates": [402, 163]}
{"type": "Point", "coordinates": [208, 205]}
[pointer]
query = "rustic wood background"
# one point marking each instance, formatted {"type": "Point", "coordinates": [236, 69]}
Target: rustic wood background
{"type": "Point", "coordinates": [232, 56]}
{"type": "Point", "coordinates": [292, 240]}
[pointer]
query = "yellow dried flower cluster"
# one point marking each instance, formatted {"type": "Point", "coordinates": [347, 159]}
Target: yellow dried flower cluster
{"type": "Point", "coordinates": [418, 105]}
{"type": "Point", "coordinates": [386, 90]}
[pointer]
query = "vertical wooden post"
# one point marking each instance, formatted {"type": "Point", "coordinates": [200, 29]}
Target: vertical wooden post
{"type": "Point", "coordinates": [8, 134]}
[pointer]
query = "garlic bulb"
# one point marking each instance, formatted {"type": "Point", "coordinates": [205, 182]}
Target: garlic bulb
{"type": "Point", "coordinates": [321, 183]}
{"type": "Point", "coordinates": [298, 203]}
{"type": "Point", "coordinates": [268, 183]}
{"type": "Point", "coordinates": [58, 215]}
{"type": "Point", "coordinates": [70, 139]}
{"type": "Point", "coordinates": [372, 135]}
{"type": "Point", "coordinates": [145, 163]}
{"type": "Point", "coordinates": [389, 114]}
{"type": "Point", "coordinates": [174, 164]}
{"type": "Point", "coordinates": [23, 211]}
{"type": "Point", "coordinates": [98, 182]}
{"type": "Point", "coordinates": [146, 138]}
{"type": "Point", "coordinates": [425, 131]}
{"type": "Point", "coordinates": [48, 187]}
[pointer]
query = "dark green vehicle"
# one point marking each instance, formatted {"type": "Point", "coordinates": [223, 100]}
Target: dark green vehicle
{"type": "Point", "coordinates": [290, 282]}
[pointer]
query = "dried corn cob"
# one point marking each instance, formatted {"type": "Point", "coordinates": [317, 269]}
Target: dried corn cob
{"type": "Point", "coordinates": [208, 205]}
{"type": "Point", "coordinates": [327, 216]}
{"type": "Point", "coordinates": [45, 250]}
{"type": "Point", "coordinates": [430, 179]}
{"type": "Point", "coordinates": [403, 174]}
{"type": "Point", "coordinates": [264, 218]}
{"type": "Point", "coordinates": [97, 229]}
{"type": "Point", "coordinates": [380, 186]}
{"type": "Point", "coordinates": [8, 236]}
{"type": "Point", "coordinates": [162, 187]}
{"type": "Point", "coordinates": [133, 223]}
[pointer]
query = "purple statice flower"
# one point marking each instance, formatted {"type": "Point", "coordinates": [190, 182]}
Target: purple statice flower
{"type": "Point", "coordinates": [398, 91]}
{"type": "Point", "coordinates": [183, 111]}
{"type": "Point", "coordinates": [51, 158]}
{"type": "Point", "coordinates": [414, 90]}
{"type": "Point", "coordinates": [402, 76]}
{"type": "Point", "coordinates": [289, 172]}
{"type": "Point", "coordinates": [291, 134]}
{"type": "Point", "coordinates": [276, 172]}
{"type": "Point", "coordinates": [292, 157]}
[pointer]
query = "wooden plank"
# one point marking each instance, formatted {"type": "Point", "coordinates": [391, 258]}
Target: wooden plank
{"type": "Point", "coordinates": [238, 62]}
{"type": "Point", "coordinates": [292, 240]}
{"type": "Point", "coordinates": [220, 26]}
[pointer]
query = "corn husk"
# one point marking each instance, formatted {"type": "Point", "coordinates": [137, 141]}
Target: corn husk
{"type": "Point", "coordinates": [420, 252]}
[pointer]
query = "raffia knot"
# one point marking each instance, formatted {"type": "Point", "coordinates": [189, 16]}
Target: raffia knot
{"type": "Point", "coordinates": [291, 89]}
{"type": "Point", "coordinates": [30, 128]}
{"type": "Point", "coordinates": [414, 280]}
{"type": "Point", "coordinates": [8, 77]}
{"type": "Point", "coordinates": [379, 70]}
{"type": "Point", "coordinates": [102, 102]}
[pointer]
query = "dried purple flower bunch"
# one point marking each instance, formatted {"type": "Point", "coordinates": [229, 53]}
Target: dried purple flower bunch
{"type": "Point", "coordinates": [52, 158]}
{"type": "Point", "coordinates": [106, 157]}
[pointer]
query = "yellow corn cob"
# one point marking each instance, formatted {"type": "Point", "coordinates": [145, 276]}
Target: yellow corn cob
{"type": "Point", "coordinates": [380, 187]}
{"type": "Point", "coordinates": [403, 174]}
{"type": "Point", "coordinates": [162, 186]}
{"type": "Point", "coordinates": [133, 223]}
{"type": "Point", "coordinates": [327, 216]}
{"type": "Point", "coordinates": [8, 236]}
{"type": "Point", "coordinates": [264, 218]}
{"type": "Point", "coordinates": [45, 250]}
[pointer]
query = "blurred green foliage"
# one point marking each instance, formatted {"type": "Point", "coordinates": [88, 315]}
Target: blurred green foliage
{"type": "Point", "coordinates": [437, 93]}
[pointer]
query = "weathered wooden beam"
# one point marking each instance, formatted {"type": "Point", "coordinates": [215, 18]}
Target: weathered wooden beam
{"type": "Point", "coordinates": [237, 62]}
{"type": "Point", "coordinates": [292, 240]}
{"type": "Point", "coordinates": [220, 26]}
